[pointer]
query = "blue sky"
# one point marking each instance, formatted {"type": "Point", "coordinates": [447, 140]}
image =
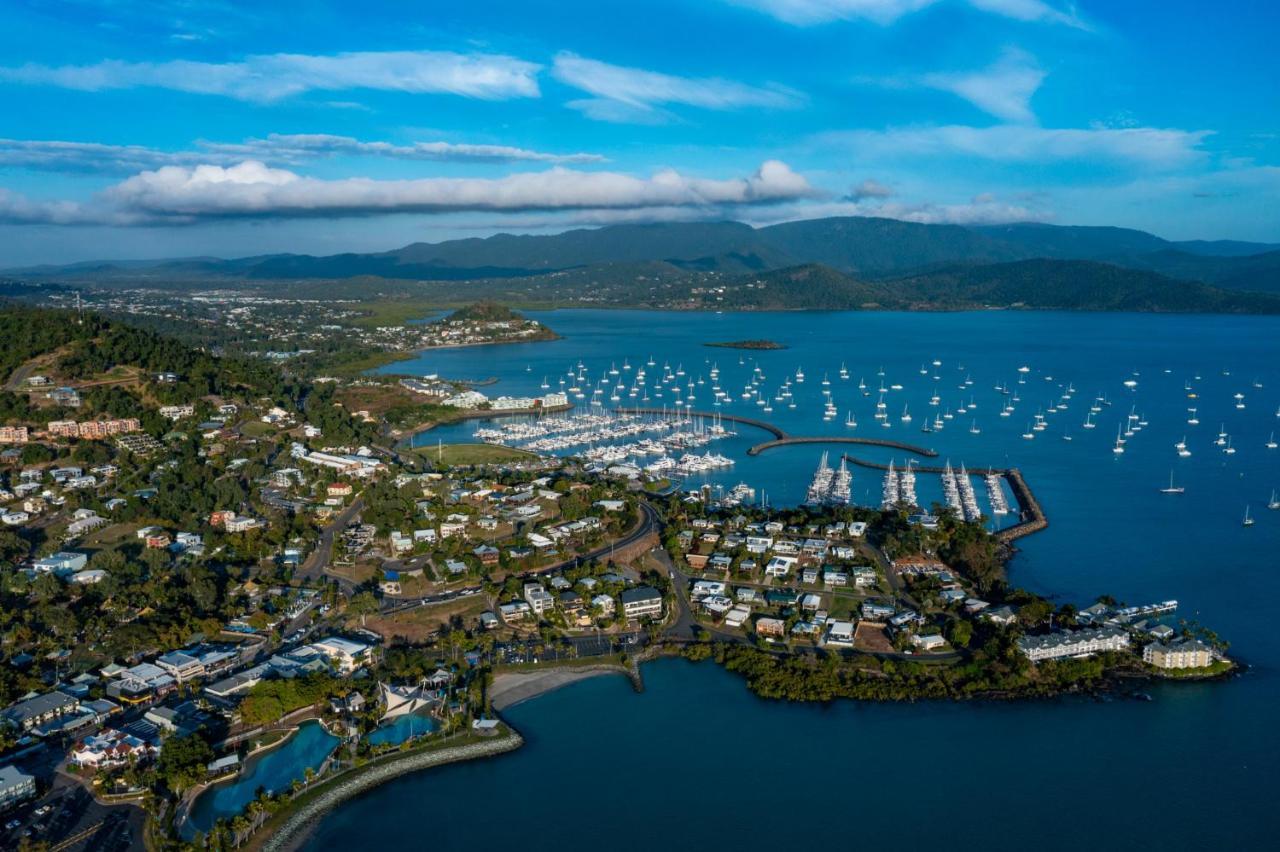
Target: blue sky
{"type": "Point", "coordinates": [234, 129]}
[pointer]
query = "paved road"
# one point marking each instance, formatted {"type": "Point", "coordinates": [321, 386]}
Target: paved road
{"type": "Point", "coordinates": [19, 376]}
{"type": "Point", "coordinates": [317, 562]}
{"type": "Point", "coordinates": [650, 522]}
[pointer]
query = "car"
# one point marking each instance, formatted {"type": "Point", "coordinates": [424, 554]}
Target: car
{"type": "Point", "coordinates": [43, 809]}
{"type": "Point", "coordinates": [12, 824]}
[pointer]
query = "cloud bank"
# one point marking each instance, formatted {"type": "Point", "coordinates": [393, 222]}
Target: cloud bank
{"type": "Point", "coordinates": [94, 157]}
{"type": "Point", "coordinates": [267, 78]}
{"type": "Point", "coordinates": [1144, 147]}
{"type": "Point", "coordinates": [251, 189]}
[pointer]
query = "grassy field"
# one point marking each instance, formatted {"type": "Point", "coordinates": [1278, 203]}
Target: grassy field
{"type": "Point", "coordinates": [417, 625]}
{"type": "Point", "coordinates": [468, 454]}
{"type": "Point", "coordinates": [257, 429]}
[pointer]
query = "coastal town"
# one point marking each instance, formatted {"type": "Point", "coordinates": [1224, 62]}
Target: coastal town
{"type": "Point", "coordinates": [206, 567]}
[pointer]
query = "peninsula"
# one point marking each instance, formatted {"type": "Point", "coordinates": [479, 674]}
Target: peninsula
{"type": "Point", "coordinates": [215, 563]}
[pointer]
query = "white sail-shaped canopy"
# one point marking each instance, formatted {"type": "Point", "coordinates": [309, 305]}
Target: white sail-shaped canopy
{"type": "Point", "coordinates": [399, 700]}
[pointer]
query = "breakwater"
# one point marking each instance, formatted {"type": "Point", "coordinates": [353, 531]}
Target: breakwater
{"type": "Point", "coordinates": [1033, 518]}
{"type": "Point", "coordinates": [842, 439]}
{"type": "Point", "coordinates": [781, 438]}
{"type": "Point", "coordinates": [354, 782]}
{"type": "Point", "coordinates": [710, 415]}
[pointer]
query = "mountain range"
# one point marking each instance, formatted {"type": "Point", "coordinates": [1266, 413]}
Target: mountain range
{"type": "Point", "coordinates": [878, 261]}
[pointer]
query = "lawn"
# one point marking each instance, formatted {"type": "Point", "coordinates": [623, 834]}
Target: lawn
{"type": "Point", "coordinates": [451, 455]}
{"type": "Point", "coordinates": [256, 429]}
{"type": "Point", "coordinates": [417, 625]}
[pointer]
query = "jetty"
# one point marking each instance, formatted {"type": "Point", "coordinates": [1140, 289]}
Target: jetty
{"type": "Point", "coordinates": [782, 438]}
{"type": "Point", "coordinates": [1033, 518]}
{"type": "Point", "coordinates": [709, 415]}
{"type": "Point", "coordinates": [842, 439]}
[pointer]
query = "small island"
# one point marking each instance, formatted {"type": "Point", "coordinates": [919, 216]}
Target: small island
{"type": "Point", "coordinates": [746, 344]}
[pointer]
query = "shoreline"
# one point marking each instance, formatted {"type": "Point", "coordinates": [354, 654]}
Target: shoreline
{"type": "Point", "coordinates": [302, 820]}
{"type": "Point", "coordinates": [183, 813]}
{"type": "Point", "coordinates": [512, 688]}
{"type": "Point", "coordinates": [406, 436]}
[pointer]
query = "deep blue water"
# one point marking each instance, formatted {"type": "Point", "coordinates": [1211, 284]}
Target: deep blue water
{"type": "Point", "coordinates": [274, 770]}
{"type": "Point", "coordinates": [698, 759]}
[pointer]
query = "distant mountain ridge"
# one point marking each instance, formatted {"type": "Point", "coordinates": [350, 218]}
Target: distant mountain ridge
{"type": "Point", "coordinates": [867, 250]}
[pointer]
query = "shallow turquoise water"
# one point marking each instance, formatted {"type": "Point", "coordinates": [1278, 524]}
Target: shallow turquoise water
{"type": "Point", "coordinates": [400, 729]}
{"type": "Point", "coordinates": [696, 760]}
{"type": "Point", "coordinates": [274, 770]}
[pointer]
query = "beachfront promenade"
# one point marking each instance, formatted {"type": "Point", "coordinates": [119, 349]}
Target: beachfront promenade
{"type": "Point", "coordinates": [782, 438]}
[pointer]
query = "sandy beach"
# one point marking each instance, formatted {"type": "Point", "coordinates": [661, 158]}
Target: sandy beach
{"type": "Point", "coordinates": [510, 688]}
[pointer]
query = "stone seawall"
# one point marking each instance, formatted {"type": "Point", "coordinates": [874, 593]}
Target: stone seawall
{"type": "Point", "coordinates": [293, 830]}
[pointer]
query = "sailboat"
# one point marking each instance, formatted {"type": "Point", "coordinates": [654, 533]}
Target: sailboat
{"type": "Point", "coordinates": [1119, 447]}
{"type": "Point", "coordinates": [1172, 489]}
{"type": "Point", "coordinates": [1271, 442]}
{"type": "Point", "coordinates": [1274, 503]}
{"type": "Point", "coordinates": [1248, 521]}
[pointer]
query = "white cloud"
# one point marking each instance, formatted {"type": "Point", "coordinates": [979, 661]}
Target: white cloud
{"type": "Point", "coordinates": [272, 77]}
{"type": "Point", "coordinates": [634, 94]}
{"type": "Point", "coordinates": [301, 146]}
{"type": "Point", "coordinates": [16, 209]}
{"type": "Point", "coordinates": [62, 156]}
{"type": "Point", "coordinates": [1003, 89]}
{"type": "Point", "coordinates": [868, 189]}
{"type": "Point", "coordinates": [808, 12]}
{"type": "Point", "coordinates": [252, 189]}
{"type": "Point", "coordinates": [1031, 10]}
{"type": "Point", "coordinates": [1147, 147]}
{"type": "Point", "coordinates": [984, 209]}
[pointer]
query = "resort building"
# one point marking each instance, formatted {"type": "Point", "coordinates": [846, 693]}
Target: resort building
{"type": "Point", "coordinates": [641, 602]}
{"type": "Point", "coordinates": [15, 786]}
{"type": "Point", "coordinates": [1182, 654]}
{"type": "Point", "coordinates": [539, 599]}
{"type": "Point", "coordinates": [28, 714]}
{"type": "Point", "coordinates": [1073, 643]}
{"type": "Point", "coordinates": [344, 655]}
{"type": "Point", "coordinates": [14, 435]}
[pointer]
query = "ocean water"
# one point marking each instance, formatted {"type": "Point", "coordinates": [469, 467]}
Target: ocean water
{"type": "Point", "coordinates": [275, 770]}
{"type": "Point", "coordinates": [697, 760]}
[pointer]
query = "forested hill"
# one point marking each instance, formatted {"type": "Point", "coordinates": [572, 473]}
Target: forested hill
{"type": "Point", "coordinates": [89, 345]}
{"type": "Point", "coordinates": [1043, 284]}
{"type": "Point", "coordinates": [868, 248]}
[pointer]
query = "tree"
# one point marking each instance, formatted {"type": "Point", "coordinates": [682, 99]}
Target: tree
{"type": "Point", "coordinates": [183, 760]}
{"type": "Point", "coordinates": [959, 633]}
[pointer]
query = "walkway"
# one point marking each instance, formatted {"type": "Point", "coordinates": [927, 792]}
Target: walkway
{"type": "Point", "coordinates": [780, 437]}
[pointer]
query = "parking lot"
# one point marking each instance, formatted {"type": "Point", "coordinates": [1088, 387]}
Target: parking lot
{"type": "Point", "coordinates": [68, 819]}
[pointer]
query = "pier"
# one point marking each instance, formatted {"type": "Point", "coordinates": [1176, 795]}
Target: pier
{"type": "Point", "coordinates": [780, 437]}
{"type": "Point", "coordinates": [1033, 517]}
{"type": "Point", "coordinates": [708, 415]}
{"type": "Point", "coordinates": [842, 439]}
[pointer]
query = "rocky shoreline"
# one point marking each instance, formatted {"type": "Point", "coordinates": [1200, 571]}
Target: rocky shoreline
{"type": "Point", "coordinates": [295, 828]}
